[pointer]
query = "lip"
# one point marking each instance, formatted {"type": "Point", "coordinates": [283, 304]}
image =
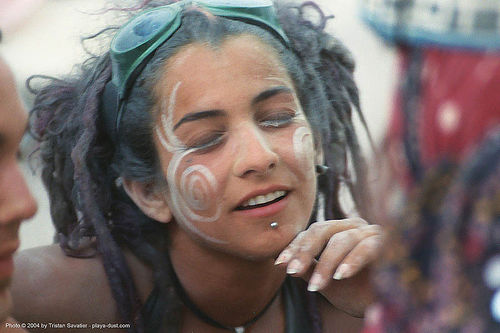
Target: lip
{"type": "Point", "coordinates": [6, 266]}
{"type": "Point", "coordinates": [263, 191]}
{"type": "Point", "coordinates": [268, 210]}
{"type": "Point", "coordinates": [7, 262]}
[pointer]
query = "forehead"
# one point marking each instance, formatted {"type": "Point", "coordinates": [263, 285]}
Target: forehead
{"type": "Point", "coordinates": [242, 64]}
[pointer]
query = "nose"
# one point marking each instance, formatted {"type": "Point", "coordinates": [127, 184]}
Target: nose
{"type": "Point", "coordinates": [254, 153]}
{"type": "Point", "coordinates": [16, 201]}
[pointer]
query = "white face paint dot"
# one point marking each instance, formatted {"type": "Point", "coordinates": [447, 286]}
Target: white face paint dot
{"type": "Point", "coordinates": [304, 148]}
{"type": "Point", "coordinates": [495, 306]}
{"type": "Point", "coordinates": [448, 117]}
{"type": "Point", "coordinates": [491, 273]}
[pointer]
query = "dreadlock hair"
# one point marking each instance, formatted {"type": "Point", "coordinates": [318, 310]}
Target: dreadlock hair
{"type": "Point", "coordinates": [81, 163]}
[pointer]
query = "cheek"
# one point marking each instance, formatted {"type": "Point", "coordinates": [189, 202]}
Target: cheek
{"type": "Point", "coordinates": [193, 197]}
{"type": "Point", "coordinates": [193, 190]}
{"type": "Point", "coordinates": [198, 187]}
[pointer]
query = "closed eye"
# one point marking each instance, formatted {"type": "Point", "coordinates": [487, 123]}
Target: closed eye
{"type": "Point", "coordinates": [207, 142]}
{"type": "Point", "coordinates": [278, 120]}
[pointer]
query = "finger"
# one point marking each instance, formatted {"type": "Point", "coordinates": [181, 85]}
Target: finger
{"type": "Point", "coordinates": [317, 237]}
{"type": "Point", "coordinates": [336, 251]}
{"type": "Point", "coordinates": [302, 250]}
{"type": "Point", "coordinates": [337, 248]}
{"type": "Point", "coordinates": [287, 254]}
{"type": "Point", "coordinates": [309, 243]}
{"type": "Point", "coordinates": [365, 252]}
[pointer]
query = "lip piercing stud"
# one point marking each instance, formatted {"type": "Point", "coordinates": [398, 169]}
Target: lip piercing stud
{"type": "Point", "coordinates": [274, 225]}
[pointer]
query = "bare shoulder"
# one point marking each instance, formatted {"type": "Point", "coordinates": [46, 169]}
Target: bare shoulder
{"type": "Point", "coordinates": [49, 286]}
{"type": "Point", "coordinates": [335, 320]}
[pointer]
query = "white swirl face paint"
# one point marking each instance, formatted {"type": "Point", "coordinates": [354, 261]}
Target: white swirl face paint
{"type": "Point", "coordinates": [192, 197]}
{"type": "Point", "coordinates": [196, 183]}
{"type": "Point", "coordinates": [167, 138]}
{"type": "Point", "coordinates": [303, 147]}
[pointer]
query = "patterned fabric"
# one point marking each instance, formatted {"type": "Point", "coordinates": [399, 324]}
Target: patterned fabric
{"type": "Point", "coordinates": [440, 271]}
{"type": "Point", "coordinates": [458, 23]}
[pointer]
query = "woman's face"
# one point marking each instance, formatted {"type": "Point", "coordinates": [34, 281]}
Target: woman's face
{"type": "Point", "coordinates": [235, 147]}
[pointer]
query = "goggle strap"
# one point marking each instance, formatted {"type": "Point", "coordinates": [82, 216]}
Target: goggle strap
{"type": "Point", "coordinates": [113, 103]}
{"type": "Point", "coordinates": [110, 102]}
{"type": "Point", "coordinates": [262, 25]}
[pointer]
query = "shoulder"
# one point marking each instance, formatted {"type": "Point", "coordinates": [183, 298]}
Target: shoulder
{"type": "Point", "coordinates": [49, 286]}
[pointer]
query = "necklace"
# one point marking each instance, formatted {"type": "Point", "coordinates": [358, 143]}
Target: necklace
{"type": "Point", "coordinates": [181, 292]}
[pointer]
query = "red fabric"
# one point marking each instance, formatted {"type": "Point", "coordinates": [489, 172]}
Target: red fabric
{"type": "Point", "coordinates": [460, 102]}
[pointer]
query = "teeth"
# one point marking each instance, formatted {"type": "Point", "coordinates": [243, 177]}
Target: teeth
{"type": "Point", "coordinates": [262, 199]}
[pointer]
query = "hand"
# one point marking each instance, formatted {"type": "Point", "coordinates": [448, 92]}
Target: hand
{"type": "Point", "coordinates": [344, 248]}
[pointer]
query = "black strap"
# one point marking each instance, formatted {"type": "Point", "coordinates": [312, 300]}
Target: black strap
{"type": "Point", "coordinates": [297, 314]}
{"type": "Point", "coordinates": [181, 292]}
{"type": "Point", "coordinates": [296, 303]}
{"type": "Point", "coordinates": [110, 101]}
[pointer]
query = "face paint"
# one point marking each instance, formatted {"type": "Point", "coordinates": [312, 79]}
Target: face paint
{"type": "Point", "coordinates": [304, 149]}
{"type": "Point", "coordinates": [191, 197]}
{"type": "Point", "coordinates": [169, 141]}
{"type": "Point", "coordinates": [196, 182]}
{"type": "Point", "coordinates": [196, 179]}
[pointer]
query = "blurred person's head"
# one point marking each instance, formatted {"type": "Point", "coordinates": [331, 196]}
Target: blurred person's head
{"type": "Point", "coordinates": [16, 202]}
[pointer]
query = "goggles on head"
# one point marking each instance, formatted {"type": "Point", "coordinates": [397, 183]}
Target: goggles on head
{"type": "Point", "coordinates": [136, 41]}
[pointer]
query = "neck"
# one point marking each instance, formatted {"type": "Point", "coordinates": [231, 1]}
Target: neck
{"type": "Point", "coordinates": [216, 282]}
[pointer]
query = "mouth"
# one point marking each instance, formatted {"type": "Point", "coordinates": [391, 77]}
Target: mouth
{"type": "Point", "coordinates": [7, 259]}
{"type": "Point", "coordinates": [6, 267]}
{"type": "Point", "coordinates": [263, 200]}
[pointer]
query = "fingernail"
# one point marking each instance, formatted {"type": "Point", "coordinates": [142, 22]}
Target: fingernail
{"type": "Point", "coordinates": [294, 267]}
{"type": "Point", "coordinates": [315, 283]}
{"type": "Point", "coordinates": [342, 271]}
{"type": "Point", "coordinates": [285, 256]}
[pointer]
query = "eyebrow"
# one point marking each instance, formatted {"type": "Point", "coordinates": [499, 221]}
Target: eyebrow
{"type": "Point", "coordinates": [266, 94]}
{"type": "Point", "coordinates": [270, 93]}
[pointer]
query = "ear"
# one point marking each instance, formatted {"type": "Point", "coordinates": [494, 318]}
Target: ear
{"type": "Point", "coordinates": [149, 199]}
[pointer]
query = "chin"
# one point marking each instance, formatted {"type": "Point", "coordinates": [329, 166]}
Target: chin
{"type": "Point", "coordinates": [270, 246]}
{"type": "Point", "coordinates": [5, 304]}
